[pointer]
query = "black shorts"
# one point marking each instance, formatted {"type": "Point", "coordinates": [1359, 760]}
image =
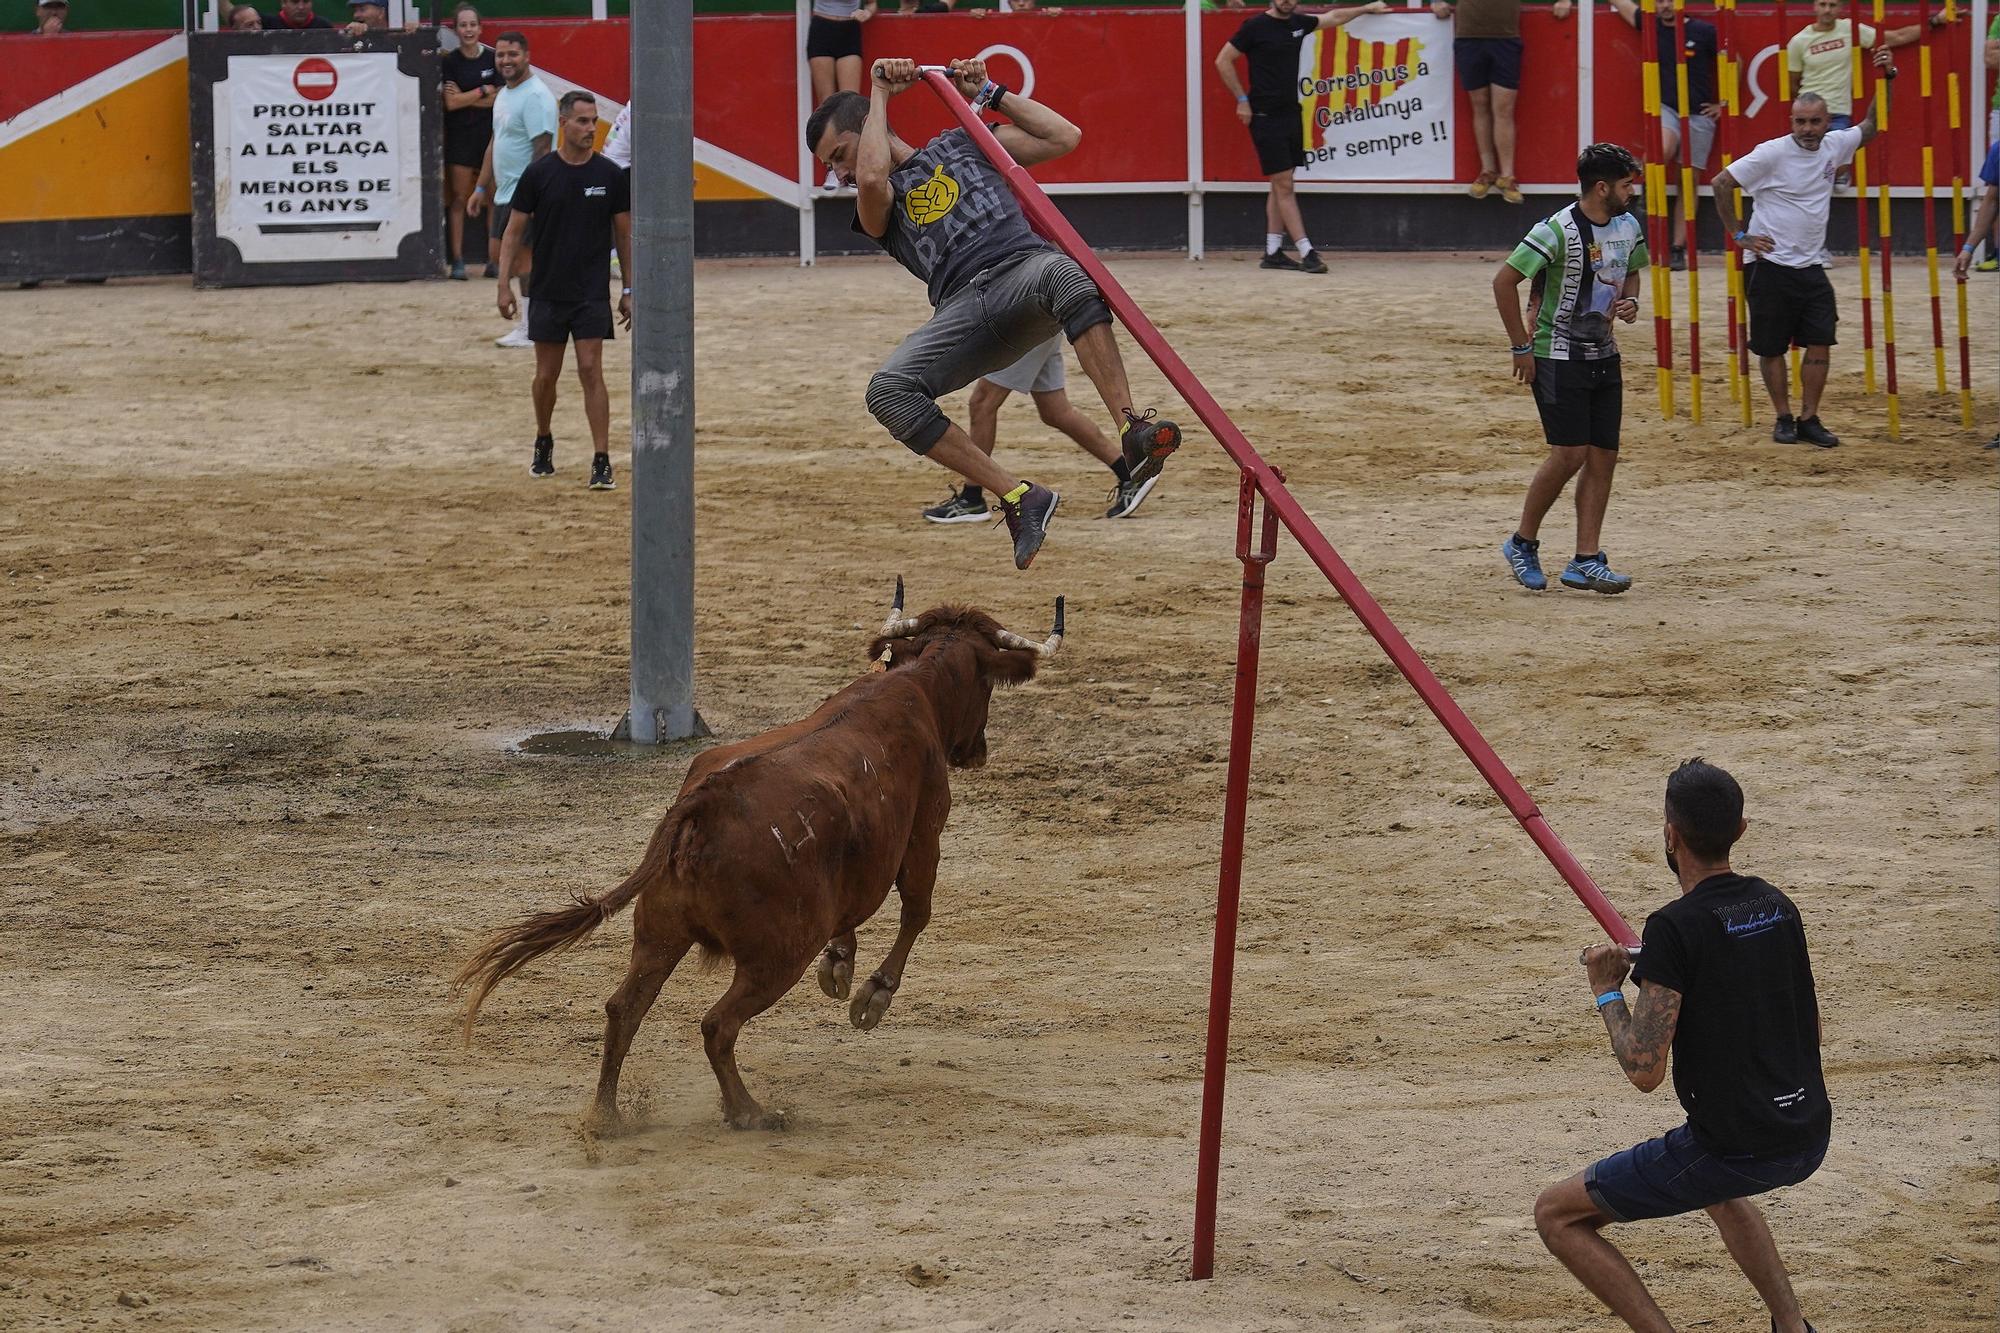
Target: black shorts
{"type": "Point", "coordinates": [1487, 61]}
{"type": "Point", "coordinates": [833, 37]}
{"type": "Point", "coordinates": [559, 321]}
{"type": "Point", "coordinates": [1280, 140]}
{"type": "Point", "coordinates": [467, 148]}
{"type": "Point", "coordinates": [1581, 402]}
{"type": "Point", "coordinates": [502, 212]}
{"type": "Point", "coordinates": [1789, 307]}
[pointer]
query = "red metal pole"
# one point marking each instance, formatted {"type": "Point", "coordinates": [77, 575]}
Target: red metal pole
{"type": "Point", "coordinates": [1048, 220]}
{"type": "Point", "coordinates": [1856, 78]}
{"type": "Point", "coordinates": [1236, 793]}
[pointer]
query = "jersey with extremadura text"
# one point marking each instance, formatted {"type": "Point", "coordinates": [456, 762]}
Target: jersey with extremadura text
{"type": "Point", "coordinates": [1579, 268]}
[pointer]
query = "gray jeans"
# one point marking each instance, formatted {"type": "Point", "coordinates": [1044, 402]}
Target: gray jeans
{"type": "Point", "coordinates": [986, 325]}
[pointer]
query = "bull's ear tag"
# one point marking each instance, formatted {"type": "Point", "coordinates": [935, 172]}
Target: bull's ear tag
{"type": "Point", "coordinates": [882, 662]}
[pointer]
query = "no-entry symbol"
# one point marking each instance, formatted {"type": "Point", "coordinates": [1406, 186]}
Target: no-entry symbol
{"type": "Point", "coordinates": [315, 79]}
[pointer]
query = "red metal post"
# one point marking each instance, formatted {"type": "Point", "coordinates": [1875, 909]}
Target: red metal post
{"type": "Point", "coordinates": [1236, 794]}
{"type": "Point", "coordinates": [1048, 220]}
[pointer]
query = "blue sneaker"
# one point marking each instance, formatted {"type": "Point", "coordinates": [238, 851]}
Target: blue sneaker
{"type": "Point", "coordinates": [1589, 573]}
{"type": "Point", "coordinates": [1525, 559]}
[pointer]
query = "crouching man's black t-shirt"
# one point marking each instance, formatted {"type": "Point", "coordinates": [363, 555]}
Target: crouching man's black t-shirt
{"type": "Point", "coordinates": [1746, 1046]}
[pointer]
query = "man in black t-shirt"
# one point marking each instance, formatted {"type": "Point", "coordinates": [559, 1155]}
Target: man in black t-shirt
{"type": "Point", "coordinates": [1270, 42]}
{"type": "Point", "coordinates": [948, 215]}
{"type": "Point", "coordinates": [1724, 977]}
{"type": "Point", "coordinates": [580, 205]}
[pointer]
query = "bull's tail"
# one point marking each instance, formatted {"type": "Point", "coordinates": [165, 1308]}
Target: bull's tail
{"type": "Point", "coordinates": [508, 951]}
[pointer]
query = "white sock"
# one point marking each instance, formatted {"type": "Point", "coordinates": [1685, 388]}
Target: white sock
{"type": "Point", "coordinates": [1305, 247]}
{"type": "Point", "coordinates": [1274, 241]}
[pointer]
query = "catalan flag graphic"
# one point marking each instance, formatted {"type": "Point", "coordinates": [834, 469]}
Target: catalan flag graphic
{"type": "Point", "coordinates": [1346, 73]}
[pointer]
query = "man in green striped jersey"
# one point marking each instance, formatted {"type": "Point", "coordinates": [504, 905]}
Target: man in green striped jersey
{"type": "Point", "coordinates": [1585, 262]}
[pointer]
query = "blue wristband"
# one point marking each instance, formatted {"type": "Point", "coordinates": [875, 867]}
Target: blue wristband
{"type": "Point", "coordinates": [1742, 236]}
{"type": "Point", "coordinates": [1609, 996]}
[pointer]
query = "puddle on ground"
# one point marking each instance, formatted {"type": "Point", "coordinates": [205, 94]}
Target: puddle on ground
{"type": "Point", "coordinates": [582, 745]}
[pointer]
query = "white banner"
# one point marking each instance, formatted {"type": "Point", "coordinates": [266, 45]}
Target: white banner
{"type": "Point", "coordinates": [1376, 94]}
{"type": "Point", "coordinates": [317, 157]}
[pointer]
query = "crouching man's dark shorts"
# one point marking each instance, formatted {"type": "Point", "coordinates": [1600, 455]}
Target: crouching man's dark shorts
{"type": "Point", "coordinates": [1674, 1174]}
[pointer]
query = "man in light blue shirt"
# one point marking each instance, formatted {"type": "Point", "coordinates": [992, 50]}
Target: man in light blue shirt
{"type": "Point", "coordinates": [524, 128]}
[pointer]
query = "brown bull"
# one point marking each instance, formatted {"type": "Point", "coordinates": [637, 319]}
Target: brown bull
{"type": "Point", "coordinates": [780, 845]}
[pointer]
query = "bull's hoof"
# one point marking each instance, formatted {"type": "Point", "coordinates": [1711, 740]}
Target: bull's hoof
{"type": "Point", "coordinates": [606, 1122]}
{"type": "Point", "coordinates": [870, 1004]}
{"type": "Point", "coordinates": [836, 975]}
{"type": "Point", "coordinates": [758, 1118]}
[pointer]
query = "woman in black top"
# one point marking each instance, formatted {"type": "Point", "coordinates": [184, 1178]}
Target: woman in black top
{"type": "Point", "coordinates": [471, 82]}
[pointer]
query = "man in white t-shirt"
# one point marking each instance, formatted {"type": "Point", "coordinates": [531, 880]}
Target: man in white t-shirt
{"type": "Point", "coordinates": [1791, 302]}
{"type": "Point", "coordinates": [524, 128]}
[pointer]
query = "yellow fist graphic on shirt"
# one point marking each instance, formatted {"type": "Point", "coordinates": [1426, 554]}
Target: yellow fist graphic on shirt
{"type": "Point", "coordinates": [931, 200]}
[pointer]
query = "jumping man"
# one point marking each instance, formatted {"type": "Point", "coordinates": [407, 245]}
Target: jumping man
{"type": "Point", "coordinates": [1585, 262]}
{"type": "Point", "coordinates": [996, 288]}
{"type": "Point", "coordinates": [1723, 980]}
{"type": "Point", "coordinates": [580, 205]}
{"type": "Point", "coordinates": [1040, 375]}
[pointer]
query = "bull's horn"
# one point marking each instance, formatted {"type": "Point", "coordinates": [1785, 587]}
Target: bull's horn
{"type": "Point", "coordinates": [896, 627]}
{"type": "Point", "coordinates": [1047, 647]}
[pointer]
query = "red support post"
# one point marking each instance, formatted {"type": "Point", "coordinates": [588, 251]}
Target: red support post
{"type": "Point", "coordinates": [1281, 507]}
{"type": "Point", "coordinates": [1235, 800]}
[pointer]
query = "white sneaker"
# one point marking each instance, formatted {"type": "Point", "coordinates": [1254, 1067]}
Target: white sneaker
{"type": "Point", "coordinates": [518, 335]}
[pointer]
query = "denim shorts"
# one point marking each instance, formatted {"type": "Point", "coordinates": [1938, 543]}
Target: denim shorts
{"type": "Point", "coordinates": [1673, 1174]}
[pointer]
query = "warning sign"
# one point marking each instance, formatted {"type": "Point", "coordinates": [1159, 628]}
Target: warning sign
{"type": "Point", "coordinates": [317, 158]}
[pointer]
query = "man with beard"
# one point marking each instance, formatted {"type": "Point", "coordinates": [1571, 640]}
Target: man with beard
{"type": "Point", "coordinates": [1791, 302]}
{"type": "Point", "coordinates": [293, 16]}
{"type": "Point", "coordinates": [1585, 262]}
{"type": "Point", "coordinates": [1724, 979]}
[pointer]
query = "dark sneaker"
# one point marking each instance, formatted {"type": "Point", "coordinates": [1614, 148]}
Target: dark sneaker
{"type": "Point", "coordinates": [1677, 261]}
{"type": "Point", "coordinates": [1127, 496]}
{"type": "Point", "coordinates": [1029, 520]}
{"type": "Point", "coordinates": [1813, 433]}
{"type": "Point", "coordinates": [1147, 442]}
{"type": "Point", "coordinates": [545, 457]}
{"type": "Point", "coordinates": [490, 271]}
{"type": "Point", "coordinates": [1786, 431]}
{"type": "Point", "coordinates": [1278, 260]}
{"type": "Point", "coordinates": [958, 509]}
{"type": "Point", "coordinates": [1590, 573]}
{"type": "Point", "coordinates": [1525, 559]}
{"type": "Point", "coordinates": [600, 473]}
{"type": "Point", "coordinates": [1310, 262]}
{"type": "Point", "coordinates": [458, 270]}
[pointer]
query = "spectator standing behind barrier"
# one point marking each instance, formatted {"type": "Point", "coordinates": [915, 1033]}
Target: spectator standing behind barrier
{"type": "Point", "coordinates": [1486, 47]}
{"type": "Point", "coordinates": [833, 51]}
{"type": "Point", "coordinates": [1585, 262]}
{"type": "Point", "coordinates": [581, 207]}
{"type": "Point", "coordinates": [1784, 281]}
{"type": "Point", "coordinates": [50, 16]}
{"type": "Point", "coordinates": [1725, 980]}
{"type": "Point", "coordinates": [618, 143]}
{"type": "Point", "coordinates": [245, 19]}
{"type": "Point", "coordinates": [293, 16]}
{"type": "Point", "coordinates": [1693, 132]}
{"type": "Point", "coordinates": [524, 128]}
{"type": "Point", "coordinates": [1820, 59]}
{"type": "Point", "coordinates": [470, 79]}
{"type": "Point", "coordinates": [1039, 373]}
{"type": "Point", "coordinates": [1269, 42]}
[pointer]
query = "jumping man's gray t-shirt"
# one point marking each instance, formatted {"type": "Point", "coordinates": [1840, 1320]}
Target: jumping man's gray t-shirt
{"type": "Point", "coordinates": [953, 215]}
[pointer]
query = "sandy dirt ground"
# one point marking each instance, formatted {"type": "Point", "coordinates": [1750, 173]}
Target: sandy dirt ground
{"type": "Point", "coordinates": [279, 597]}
